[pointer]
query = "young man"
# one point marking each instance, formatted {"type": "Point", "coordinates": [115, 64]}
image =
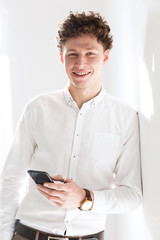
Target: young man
{"type": "Point", "coordinates": [80, 132]}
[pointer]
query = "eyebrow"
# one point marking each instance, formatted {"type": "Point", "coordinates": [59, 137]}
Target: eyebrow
{"type": "Point", "coordinates": [74, 50]}
{"type": "Point", "coordinates": [71, 50]}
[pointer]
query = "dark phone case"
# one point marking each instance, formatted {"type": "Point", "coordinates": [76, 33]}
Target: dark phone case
{"type": "Point", "coordinates": [40, 177]}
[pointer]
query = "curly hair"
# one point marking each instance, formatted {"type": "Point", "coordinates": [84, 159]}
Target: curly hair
{"type": "Point", "coordinates": [79, 24]}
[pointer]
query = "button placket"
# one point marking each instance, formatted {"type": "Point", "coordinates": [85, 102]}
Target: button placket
{"type": "Point", "coordinates": [70, 213]}
{"type": "Point", "coordinates": [76, 145]}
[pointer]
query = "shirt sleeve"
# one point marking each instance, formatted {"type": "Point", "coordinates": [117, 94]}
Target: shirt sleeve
{"type": "Point", "coordinates": [126, 194]}
{"type": "Point", "coordinates": [14, 173]}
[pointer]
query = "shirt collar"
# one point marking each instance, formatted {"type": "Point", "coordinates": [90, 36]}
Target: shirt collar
{"type": "Point", "coordinates": [88, 105]}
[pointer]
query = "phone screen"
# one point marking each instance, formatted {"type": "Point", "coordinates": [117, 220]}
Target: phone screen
{"type": "Point", "coordinates": [40, 177]}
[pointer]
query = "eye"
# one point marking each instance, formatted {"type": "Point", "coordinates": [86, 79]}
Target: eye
{"type": "Point", "coordinates": [90, 53]}
{"type": "Point", "coordinates": [72, 54]}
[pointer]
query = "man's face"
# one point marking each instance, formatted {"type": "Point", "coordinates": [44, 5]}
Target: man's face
{"type": "Point", "coordinates": [84, 58]}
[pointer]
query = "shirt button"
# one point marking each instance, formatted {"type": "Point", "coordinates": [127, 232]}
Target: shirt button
{"type": "Point", "coordinates": [92, 104]}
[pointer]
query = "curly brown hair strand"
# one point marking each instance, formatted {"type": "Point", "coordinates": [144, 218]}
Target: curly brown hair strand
{"type": "Point", "coordinates": [81, 23]}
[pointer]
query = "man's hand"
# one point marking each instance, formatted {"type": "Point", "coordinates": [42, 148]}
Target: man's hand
{"type": "Point", "coordinates": [66, 195]}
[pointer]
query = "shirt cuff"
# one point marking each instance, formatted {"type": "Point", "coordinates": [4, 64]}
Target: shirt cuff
{"type": "Point", "coordinates": [99, 202]}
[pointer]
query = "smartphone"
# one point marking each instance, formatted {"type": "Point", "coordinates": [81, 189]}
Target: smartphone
{"type": "Point", "coordinates": [40, 177]}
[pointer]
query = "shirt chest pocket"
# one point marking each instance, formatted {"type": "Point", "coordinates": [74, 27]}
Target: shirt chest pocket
{"type": "Point", "coordinates": [105, 146]}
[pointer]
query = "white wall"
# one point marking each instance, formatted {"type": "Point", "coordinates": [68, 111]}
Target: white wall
{"type": "Point", "coordinates": [132, 74]}
{"type": "Point", "coordinates": [150, 120]}
{"type": "Point", "coordinates": [34, 60]}
{"type": "Point", "coordinates": [128, 19]}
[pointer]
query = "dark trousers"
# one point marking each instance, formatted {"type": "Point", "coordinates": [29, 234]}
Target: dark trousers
{"type": "Point", "coordinates": [18, 237]}
{"type": "Point", "coordinates": [23, 232]}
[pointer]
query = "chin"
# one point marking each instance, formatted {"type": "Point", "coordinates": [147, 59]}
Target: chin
{"type": "Point", "coordinates": [81, 85]}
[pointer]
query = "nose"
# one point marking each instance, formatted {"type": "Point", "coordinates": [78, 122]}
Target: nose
{"type": "Point", "coordinates": [81, 61]}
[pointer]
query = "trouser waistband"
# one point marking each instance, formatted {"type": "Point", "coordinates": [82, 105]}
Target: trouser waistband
{"type": "Point", "coordinates": [33, 234]}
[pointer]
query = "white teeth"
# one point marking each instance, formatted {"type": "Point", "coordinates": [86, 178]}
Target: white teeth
{"type": "Point", "coordinates": [81, 73]}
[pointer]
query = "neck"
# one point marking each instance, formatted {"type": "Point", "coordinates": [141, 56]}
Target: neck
{"type": "Point", "coordinates": [81, 96]}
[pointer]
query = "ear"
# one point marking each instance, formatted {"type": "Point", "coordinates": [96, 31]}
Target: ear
{"type": "Point", "coordinates": [106, 56]}
{"type": "Point", "coordinates": [62, 59]}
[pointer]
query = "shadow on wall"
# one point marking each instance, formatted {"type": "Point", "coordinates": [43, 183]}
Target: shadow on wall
{"type": "Point", "coordinates": [150, 127]}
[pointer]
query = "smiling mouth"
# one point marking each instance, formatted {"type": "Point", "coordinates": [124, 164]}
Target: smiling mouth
{"type": "Point", "coordinates": [81, 73]}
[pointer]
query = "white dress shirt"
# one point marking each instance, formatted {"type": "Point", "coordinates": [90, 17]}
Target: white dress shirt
{"type": "Point", "coordinates": [97, 146]}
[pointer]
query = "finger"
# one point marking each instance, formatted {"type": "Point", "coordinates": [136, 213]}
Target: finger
{"type": "Point", "coordinates": [56, 186]}
{"type": "Point", "coordinates": [54, 199]}
{"type": "Point", "coordinates": [66, 187]}
{"type": "Point", "coordinates": [50, 191]}
{"type": "Point", "coordinates": [68, 180]}
{"type": "Point", "coordinates": [57, 177]}
{"type": "Point", "coordinates": [61, 178]}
